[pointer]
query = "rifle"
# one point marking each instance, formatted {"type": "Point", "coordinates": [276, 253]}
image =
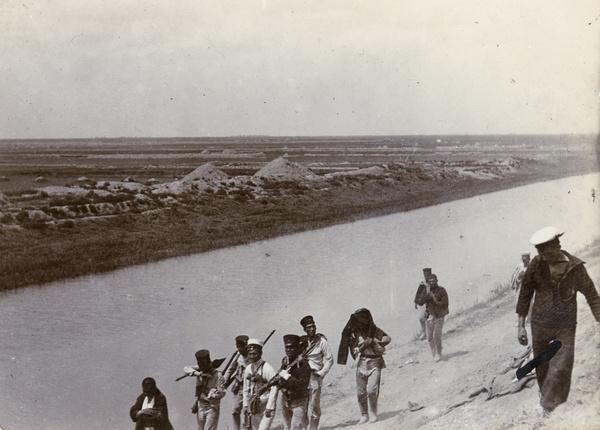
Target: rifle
{"type": "Point", "coordinates": [232, 377]}
{"type": "Point", "coordinates": [233, 357]}
{"type": "Point", "coordinates": [275, 379]}
{"type": "Point", "coordinates": [426, 273]}
{"type": "Point", "coordinates": [215, 364]}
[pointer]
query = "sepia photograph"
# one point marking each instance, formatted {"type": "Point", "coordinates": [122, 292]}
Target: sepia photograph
{"type": "Point", "coordinates": [299, 215]}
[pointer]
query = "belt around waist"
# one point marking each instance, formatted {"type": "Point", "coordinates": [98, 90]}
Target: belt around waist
{"type": "Point", "coordinates": [371, 356]}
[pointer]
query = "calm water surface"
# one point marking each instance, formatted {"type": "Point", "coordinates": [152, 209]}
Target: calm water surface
{"type": "Point", "coordinates": [73, 353]}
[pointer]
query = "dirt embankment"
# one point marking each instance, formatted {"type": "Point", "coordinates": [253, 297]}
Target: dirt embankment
{"type": "Point", "coordinates": [56, 232]}
{"type": "Point", "coordinates": [479, 345]}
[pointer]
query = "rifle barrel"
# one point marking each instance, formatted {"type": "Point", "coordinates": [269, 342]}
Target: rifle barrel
{"type": "Point", "coordinates": [233, 357]}
{"type": "Point", "coordinates": [268, 337]}
{"type": "Point", "coordinates": [232, 377]}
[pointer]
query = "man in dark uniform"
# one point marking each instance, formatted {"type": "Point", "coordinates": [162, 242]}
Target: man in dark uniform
{"type": "Point", "coordinates": [555, 276]}
{"type": "Point", "coordinates": [235, 376]}
{"type": "Point", "coordinates": [293, 382]}
{"type": "Point", "coordinates": [435, 298]}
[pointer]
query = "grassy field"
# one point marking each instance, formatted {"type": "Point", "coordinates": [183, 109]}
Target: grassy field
{"type": "Point", "coordinates": [419, 173]}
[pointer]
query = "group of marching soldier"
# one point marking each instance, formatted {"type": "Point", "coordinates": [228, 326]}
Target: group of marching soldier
{"type": "Point", "coordinates": [255, 384]}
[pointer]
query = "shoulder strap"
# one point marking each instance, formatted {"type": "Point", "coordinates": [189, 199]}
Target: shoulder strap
{"type": "Point", "coordinates": [259, 368]}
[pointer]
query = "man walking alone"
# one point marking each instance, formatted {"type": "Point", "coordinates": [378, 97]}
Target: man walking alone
{"type": "Point", "coordinates": [555, 276]}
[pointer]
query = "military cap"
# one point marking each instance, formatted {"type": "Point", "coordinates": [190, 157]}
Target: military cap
{"type": "Point", "coordinates": [545, 236]}
{"type": "Point", "coordinates": [203, 353]}
{"type": "Point", "coordinates": [241, 339]}
{"type": "Point", "coordinates": [308, 319]}
{"type": "Point", "coordinates": [426, 272]}
{"type": "Point", "coordinates": [255, 343]}
{"type": "Point", "coordinates": [291, 339]}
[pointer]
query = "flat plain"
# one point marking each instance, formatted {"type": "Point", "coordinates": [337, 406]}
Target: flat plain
{"type": "Point", "coordinates": [76, 207]}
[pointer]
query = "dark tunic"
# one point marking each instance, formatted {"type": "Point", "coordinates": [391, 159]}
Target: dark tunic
{"type": "Point", "coordinates": [296, 386]}
{"type": "Point", "coordinates": [554, 318]}
{"type": "Point", "coordinates": [555, 304]}
{"type": "Point", "coordinates": [359, 325]}
{"type": "Point", "coordinates": [437, 310]}
{"type": "Point", "coordinates": [160, 421]}
{"type": "Point", "coordinates": [420, 290]}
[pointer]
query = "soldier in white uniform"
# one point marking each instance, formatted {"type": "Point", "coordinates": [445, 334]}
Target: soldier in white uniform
{"type": "Point", "coordinates": [235, 376]}
{"type": "Point", "coordinates": [258, 373]}
{"type": "Point", "coordinates": [320, 361]}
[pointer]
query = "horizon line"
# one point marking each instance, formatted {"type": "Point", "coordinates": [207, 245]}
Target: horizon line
{"type": "Point", "coordinates": [250, 136]}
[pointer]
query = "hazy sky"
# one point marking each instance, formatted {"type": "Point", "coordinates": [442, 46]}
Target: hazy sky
{"type": "Point", "coordinates": [85, 68]}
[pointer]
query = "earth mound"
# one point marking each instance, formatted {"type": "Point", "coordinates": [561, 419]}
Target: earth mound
{"type": "Point", "coordinates": [282, 169]}
{"type": "Point", "coordinates": [207, 172]}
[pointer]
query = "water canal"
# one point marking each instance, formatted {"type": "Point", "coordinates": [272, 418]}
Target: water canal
{"type": "Point", "coordinates": [73, 353]}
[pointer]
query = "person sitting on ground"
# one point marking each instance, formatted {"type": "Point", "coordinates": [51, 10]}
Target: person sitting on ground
{"type": "Point", "coordinates": [506, 382]}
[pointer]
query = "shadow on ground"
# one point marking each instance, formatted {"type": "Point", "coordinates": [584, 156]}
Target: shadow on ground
{"type": "Point", "coordinates": [351, 423]}
{"type": "Point", "coordinates": [454, 354]}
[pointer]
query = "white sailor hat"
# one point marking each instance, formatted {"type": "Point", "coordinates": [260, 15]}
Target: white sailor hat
{"type": "Point", "coordinates": [255, 343]}
{"type": "Point", "coordinates": [545, 235]}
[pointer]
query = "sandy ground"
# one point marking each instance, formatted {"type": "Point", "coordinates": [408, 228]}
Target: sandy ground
{"type": "Point", "coordinates": [478, 345]}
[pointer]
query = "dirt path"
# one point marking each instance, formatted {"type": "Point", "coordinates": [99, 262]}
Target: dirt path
{"type": "Point", "coordinates": [478, 345]}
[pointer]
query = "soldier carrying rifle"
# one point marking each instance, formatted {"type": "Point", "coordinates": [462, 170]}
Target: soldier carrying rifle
{"type": "Point", "coordinates": [258, 404]}
{"type": "Point", "coordinates": [293, 379]}
{"type": "Point", "coordinates": [209, 390]}
{"type": "Point", "coordinates": [234, 376]}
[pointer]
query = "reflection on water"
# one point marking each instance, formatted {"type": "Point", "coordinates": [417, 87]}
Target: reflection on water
{"type": "Point", "coordinates": [74, 353]}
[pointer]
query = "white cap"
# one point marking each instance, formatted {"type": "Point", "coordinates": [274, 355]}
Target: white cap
{"type": "Point", "coordinates": [544, 235]}
{"type": "Point", "coordinates": [255, 342]}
